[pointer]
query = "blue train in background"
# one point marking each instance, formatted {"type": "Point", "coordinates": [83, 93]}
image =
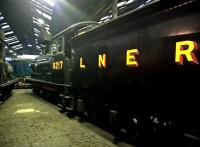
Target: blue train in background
{"type": "Point", "coordinates": [21, 67]}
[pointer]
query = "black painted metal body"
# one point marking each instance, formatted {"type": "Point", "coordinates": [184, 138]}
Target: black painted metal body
{"type": "Point", "coordinates": [157, 98]}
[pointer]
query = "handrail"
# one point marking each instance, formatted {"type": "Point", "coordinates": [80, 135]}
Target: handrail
{"type": "Point", "coordinates": [75, 26]}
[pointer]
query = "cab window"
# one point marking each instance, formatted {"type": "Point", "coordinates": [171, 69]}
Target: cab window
{"type": "Point", "coordinates": [56, 46]}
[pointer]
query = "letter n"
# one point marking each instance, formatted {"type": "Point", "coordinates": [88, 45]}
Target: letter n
{"type": "Point", "coordinates": [102, 61]}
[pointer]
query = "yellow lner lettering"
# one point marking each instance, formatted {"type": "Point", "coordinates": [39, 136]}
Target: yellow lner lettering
{"type": "Point", "coordinates": [130, 58]}
{"type": "Point", "coordinates": [182, 51]}
{"type": "Point", "coordinates": [82, 66]}
{"type": "Point", "coordinates": [102, 61]}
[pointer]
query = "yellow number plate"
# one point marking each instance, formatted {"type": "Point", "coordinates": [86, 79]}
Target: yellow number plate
{"type": "Point", "coordinates": [58, 65]}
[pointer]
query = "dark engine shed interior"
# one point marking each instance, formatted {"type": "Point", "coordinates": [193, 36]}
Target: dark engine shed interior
{"type": "Point", "coordinates": [99, 73]}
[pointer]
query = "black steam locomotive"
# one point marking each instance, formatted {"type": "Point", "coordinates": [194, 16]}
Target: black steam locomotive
{"type": "Point", "coordinates": [137, 75]}
{"type": "Point", "coordinates": [7, 81]}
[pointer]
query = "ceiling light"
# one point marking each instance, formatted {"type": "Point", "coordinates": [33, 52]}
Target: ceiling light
{"type": "Point", "coordinates": [5, 23]}
{"type": "Point", "coordinates": [50, 2]}
{"type": "Point", "coordinates": [36, 30]}
{"type": "Point", "coordinates": [35, 22]}
{"type": "Point", "coordinates": [38, 11]}
{"type": "Point", "coordinates": [13, 42]}
{"type": "Point", "coordinates": [1, 18]}
{"type": "Point", "coordinates": [8, 59]}
{"type": "Point", "coordinates": [141, 6]}
{"type": "Point", "coordinates": [25, 56]}
{"type": "Point", "coordinates": [8, 33]}
{"type": "Point", "coordinates": [148, 1]}
{"type": "Point", "coordinates": [5, 27]}
{"type": "Point", "coordinates": [15, 46]}
{"type": "Point", "coordinates": [47, 25]}
{"type": "Point", "coordinates": [130, 1]}
{"type": "Point", "coordinates": [11, 39]}
{"type": "Point", "coordinates": [47, 28]}
{"type": "Point", "coordinates": [38, 47]}
{"type": "Point", "coordinates": [46, 16]}
{"type": "Point", "coordinates": [40, 21]}
{"type": "Point", "coordinates": [11, 51]}
{"type": "Point", "coordinates": [34, 18]}
{"type": "Point", "coordinates": [36, 2]}
{"type": "Point", "coordinates": [42, 45]}
{"type": "Point", "coordinates": [18, 48]}
{"type": "Point", "coordinates": [121, 4]}
{"type": "Point", "coordinates": [47, 9]}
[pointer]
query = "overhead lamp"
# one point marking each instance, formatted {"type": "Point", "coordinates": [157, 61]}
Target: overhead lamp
{"type": "Point", "coordinates": [121, 4]}
{"type": "Point", "coordinates": [11, 39]}
{"type": "Point", "coordinates": [35, 22]}
{"type": "Point", "coordinates": [5, 27]}
{"type": "Point", "coordinates": [47, 28]}
{"type": "Point", "coordinates": [5, 23]}
{"type": "Point", "coordinates": [46, 16]}
{"type": "Point", "coordinates": [8, 59]}
{"type": "Point", "coordinates": [38, 11]}
{"type": "Point", "coordinates": [8, 33]}
{"type": "Point", "coordinates": [1, 18]}
{"type": "Point", "coordinates": [50, 2]}
{"type": "Point", "coordinates": [25, 56]}
{"type": "Point", "coordinates": [41, 21]}
{"type": "Point", "coordinates": [47, 25]}
{"type": "Point", "coordinates": [148, 1]}
{"type": "Point", "coordinates": [141, 6]}
{"type": "Point", "coordinates": [36, 30]}
{"type": "Point", "coordinates": [130, 1]}
{"type": "Point", "coordinates": [42, 45]}
{"type": "Point", "coordinates": [13, 42]}
{"type": "Point", "coordinates": [15, 46]}
{"type": "Point", "coordinates": [18, 48]}
{"type": "Point", "coordinates": [38, 47]}
{"type": "Point", "coordinates": [29, 45]}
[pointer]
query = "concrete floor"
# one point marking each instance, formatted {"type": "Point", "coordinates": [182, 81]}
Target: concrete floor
{"type": "Point", "coordinates": [28, 121]}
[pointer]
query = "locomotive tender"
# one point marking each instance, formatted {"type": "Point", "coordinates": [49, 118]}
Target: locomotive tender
{"type": "Point", "coordinates": [137, 74]}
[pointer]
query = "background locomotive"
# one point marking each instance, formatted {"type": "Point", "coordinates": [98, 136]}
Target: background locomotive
{"type": "Point", "coordinates": [142, 94]}
{"type": "Point", "coordinates": [7, 81]}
